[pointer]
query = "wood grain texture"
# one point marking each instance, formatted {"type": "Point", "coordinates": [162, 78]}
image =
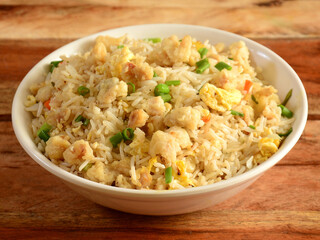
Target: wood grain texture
{"type": "Point", "coordinates": [282, 204]}
{"type": "Point", "coordinates": [272, 19]}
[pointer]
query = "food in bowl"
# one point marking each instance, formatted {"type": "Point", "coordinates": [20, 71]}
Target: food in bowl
{"type": "Point", "coordinates": [157, 113]}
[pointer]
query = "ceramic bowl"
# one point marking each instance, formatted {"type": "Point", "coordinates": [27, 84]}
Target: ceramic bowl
{"type": "Point", "coordinates": [275, 70]}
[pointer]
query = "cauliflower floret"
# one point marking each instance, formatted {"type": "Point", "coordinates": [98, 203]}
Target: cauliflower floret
{"type": "Point", "coordinates": [165, 145]}
{"type": "Point", "coordinates": [44, 93]}
{"type": "Point", "coordinates": [186, 117]}
{"type": "Point", "coordinates": [268, 146]}
{"type": "Point", "coordinates": [56, 146]}
{"type": "Point", "coordinates": [137, 118]}
{"type": "Point", "coordinates": [78, 152]}
{"type": "Point", "coordinates": [110, 89]}
{"type": "Point", "coordinates": [155, 106]}
{"type": "Point", "coordinates": [181, 136]}
{"type": "Point", "coordinates": [219, 99]}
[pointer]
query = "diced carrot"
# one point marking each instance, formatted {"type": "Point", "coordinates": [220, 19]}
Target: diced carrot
{"type": "Point", "coordinates": [206, 118]}
{"type": "Point", "coordinates": [247, 86]}
{"type": "Point", "coordinates": [47, 104]}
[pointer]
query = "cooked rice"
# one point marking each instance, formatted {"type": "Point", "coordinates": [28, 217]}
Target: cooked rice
{"type": "Point", "coordinates": [195, 133]}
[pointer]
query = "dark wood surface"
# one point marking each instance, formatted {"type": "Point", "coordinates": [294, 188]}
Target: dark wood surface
{"type": "Point", "coordinates": [283, 204]}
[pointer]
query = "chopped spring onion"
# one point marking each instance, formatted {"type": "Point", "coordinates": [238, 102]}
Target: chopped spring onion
{"type": "Point", "coordinates": [120, 46]}
{"type": "Point", "coordinates": [286, 112]}
{"type": "Point", "coordinates": [86, 168]}
{"type": "Point", "coordinates": [251, 126]}
{"type": "Point", "coordinates": [166, 97]}
{"type": "Point", "coordinates": [155, 74]}
{"type": "Point", "coordinates": [43, 132]}
{"type": "Point", "coordinates": [230, 58]}
{"type": "Point", "coordinates": [116, 139]}
{"type": "Point", "coordinates": [222, 65]}
{"type": "Point", "coordinates": [154, 40]}
{"type": "Point", "coordinates": [254, 99]}
{"type": "Point", "coordinates": [173, 82]}
{"type": "Point", "coordinates": [235, 113]}
{"type": "Point", "coordinates": [288, 96]}
{"type": "Point", "coordinates": [82, 90]}
{"type": "Point", "coordinates": [168, 175]}
{"type": "Point", "coordinates": [54, 64]}
{"type": "Point", "coordinates": [203, 51]}
{"type": "Point", "coordinates": [44, 135]}
{"type": "Point", "coordinates": [127, 136]}
{"type": "Point", "coordinates": [202, 65]}
{"type": "Point", "coordinates": [79, 118]}
{"type": "Point", "coordinates": [86, 122]}
{"type": "Point", "coordinates": [161, 89]}
{"type": "Point", "coordinates": [285, 134]}
{"type": "Point", "coordinates": [132, 88]}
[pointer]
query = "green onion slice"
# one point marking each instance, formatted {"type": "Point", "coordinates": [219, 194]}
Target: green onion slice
{"type": "Point", "coordinates": [154, 40]}
{"type": "Point", "coordinates": [155, 74]}
{"type": "Point", "coordinates": [166, 97]}
{"type": "Point", "coordinates": [127, 136]}
{"type": "Point", "coordinates": [235, 113]}
{"type": "Point", "coordinates": [203, 51]}
{"type": "Point", "coordinates": [173, 82]}
{"type": "Point", "coordinates": [82, 90]}
{"type": "Point", "coordinates": [54, 64]}
{"type": "Point", "coordinates": [168, 175]}
{"type": "Point", "coordinates": [285, 134]}
{"type": "Point", "coordinates": [132, 88]}
{"type": "Point", "coordinates": [202, 65]}
{"type": "Point", "coordinates": [43, 135]}
{"type": "Point", "coordinates": [288, 96]}
{"type": "Point", "coordinates": [79, 118]}
{"type": "Point", "coordinates": [251, 126]}
{"type": "Point", "coordinates": [45, 128]}
{"type": "Point", "coordinates": [120, 46]}
{"type": "Point", "coordinates": [222, 65]}
{"type": "Point", "coordinates": [161, 89]}
{"type": "Point", "coordinates": [86, 122]}
{"type": "Point", "coordinates": [254, 99]}
{"type": "Point", "coordinates": [230, 58]}
{"type": "Point", "coordinates": [86, 168]}
{"type": "Point", "coordinates": [286, 112]}
{"type": "Point", "coordinates": [116, 139]}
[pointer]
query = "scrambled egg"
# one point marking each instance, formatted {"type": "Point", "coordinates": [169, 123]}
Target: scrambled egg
{"type": "Point", "coordinates": [219, 99]}
{"type": "Point", "coordinates": [118, 60]}
{"type": "Point", "coordinates": [181, 175]}
{"type": "Point", "coordinates": [268, 146]}
{"type": "Point", "coordinates": [198, 45]}
{"type": "Point", "coordinates": [151, 162]}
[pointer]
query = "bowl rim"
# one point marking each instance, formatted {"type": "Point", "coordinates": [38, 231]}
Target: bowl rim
{"type": "Point", "coordinates": [236, 180]}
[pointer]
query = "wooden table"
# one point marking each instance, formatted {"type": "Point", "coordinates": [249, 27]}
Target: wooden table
{"type": "Point", "coordinates": [283, 204]}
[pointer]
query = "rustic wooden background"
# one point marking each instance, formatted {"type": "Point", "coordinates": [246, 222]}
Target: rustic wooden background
{"type": "Point", "coordinates": [282, 204]}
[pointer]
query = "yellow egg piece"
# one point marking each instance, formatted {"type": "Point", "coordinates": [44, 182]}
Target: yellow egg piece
{"type": "Point", "coordinates": [268, 146]}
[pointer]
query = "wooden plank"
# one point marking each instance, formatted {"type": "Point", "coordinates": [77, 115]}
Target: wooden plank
{"type": "Point", "coordinates": [272, 19]}
{"type": "Point", "coordinates": [18, 57]}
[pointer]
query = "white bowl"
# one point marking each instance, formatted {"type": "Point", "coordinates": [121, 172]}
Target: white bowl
{"type": "Point", "coordinates": [275, 70]}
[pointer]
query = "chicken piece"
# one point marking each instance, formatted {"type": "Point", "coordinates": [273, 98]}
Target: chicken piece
{"type": "Point", "coordinates": [61, 115]}
{"type": "Point", "coordinates": [78, 152]}
{"type": "Point", "coordinates": [99, 52]}
{"type": "Point", "coordinates": [108, 41]}
{"type": "Point", "coordinates": [119, 61]}
{"type": "Point", "coordinates": [122, 166]}
{"type": "Point", "coordinates": [240, 54]}
{"type": "Point", "coordinates": [144, 177]}
{"type": "Point", "coordinates": [155, 106]}
{"type": "Point", "coordinates": [248, 113]}
{"type": "Point", "coordinates": [44, 93]}
{"type": "Point", "coordinates": [186, 117]}
{"type": "Point", "coordinates": [219, 99]}
{"type": "Point", "coordinates": [110, 89]}
{"type": "Point", "coordinates": [165, 145]}
{"type": "Point", "coordinates": [56, 146]}
{"type": "Point", "coordinates": [35, 87]}
{"type": "Point", "coordinates": [100, 173]}
{"type": "Point", "coordinates": [137, 118]}
{"type": "Point", "coordinates": [268, 102]}
{"type": "Point", "coordinates": [268, 146]}
{"type": "Point", "coordinates": [173, 51]}
{"type": "Point", "coordinates": [137, 70]}
{"type": "Point", "coordinates": [181, 136]}
{"type": "Point", "coordinates": [31, 100]}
